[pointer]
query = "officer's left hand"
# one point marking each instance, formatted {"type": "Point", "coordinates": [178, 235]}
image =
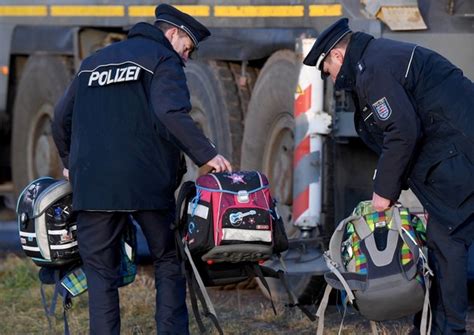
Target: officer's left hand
{"type": "Point", "coordinates": [380, 203]}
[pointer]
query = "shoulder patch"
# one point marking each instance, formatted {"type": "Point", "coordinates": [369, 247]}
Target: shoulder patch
{"type": "Point", "coordinates": [382, 109]}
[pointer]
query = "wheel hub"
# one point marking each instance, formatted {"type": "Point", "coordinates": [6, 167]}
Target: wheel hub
{"type": "Point", "coordinates": [42, 157]}
{"type": "Point", "coordinates": [278, 166]}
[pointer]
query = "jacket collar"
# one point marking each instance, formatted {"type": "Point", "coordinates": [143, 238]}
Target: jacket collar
{"type": "Point", "coordinates": [146, 30]}
{"type": "Point", "coordinates": [346, 79]}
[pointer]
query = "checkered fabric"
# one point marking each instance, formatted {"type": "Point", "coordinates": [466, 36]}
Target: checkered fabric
{"type": "Point", "coordinates": [411, 223]}
{"type": "Point", "coordinates": [75, 282]}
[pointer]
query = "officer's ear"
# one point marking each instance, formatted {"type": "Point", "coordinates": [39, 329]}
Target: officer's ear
{"type": "Point", "coordinates": [171, 32]}
{"type": "Point", "coordinates": [337, 55]}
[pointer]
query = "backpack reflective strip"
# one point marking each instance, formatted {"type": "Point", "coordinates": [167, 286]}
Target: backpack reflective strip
{"type": "Point", "coordinates": [25, 247]}
{"type": "Point", "coordinates": [64, 246]}
{"type": "Point", "coordinates": [246, 235]}
{"type": "Point", "coordinates": [198, 210]}
{"type": "Point", "coordinates": [59, 232]}
{"type": "Point", "coordinates": [25, 234]}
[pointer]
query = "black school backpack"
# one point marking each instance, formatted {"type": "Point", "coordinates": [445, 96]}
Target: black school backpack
{"type": "Point", "coordinates": [379, 261]}
{"type": "Point", "coordinates": [227, 226]}
{"type": "Point", "coordinates": [47, 229]}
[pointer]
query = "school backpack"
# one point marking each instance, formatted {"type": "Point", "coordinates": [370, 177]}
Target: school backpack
{"type": "Point", "coordinates": [378, 260]}
{"type": "Point", "coordinates": [47, 224]}
{"type": "Point", "coordinates": [234, 218]}
{"type": "Point", "coordinates": [47, 228]}
{"type": "Point", "coordinates": [227, 226]}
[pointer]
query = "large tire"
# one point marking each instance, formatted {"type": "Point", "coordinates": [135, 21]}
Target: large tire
{"type": "Point", "coordinates": [268, 146]}
{"type": "Point", "coordinates": [34, 154]}
{"type": "Point", "coordinates": [245, 81]}
{"type": "Point", "coordinates": [215, 108]}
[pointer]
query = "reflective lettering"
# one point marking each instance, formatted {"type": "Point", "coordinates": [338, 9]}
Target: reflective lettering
{"type": "Point", "coordinates": [112, 76]}
{"type": "Point", "coordinates": [110, 80]}
{"type": "Point", "coordinates": [130, 73]}
{"type": "Point", "coordinates": [103, 78]}
{"type": "Point", "coordinates": [94, 76]}
{"type": "Point", "coordinates": [137, 72]}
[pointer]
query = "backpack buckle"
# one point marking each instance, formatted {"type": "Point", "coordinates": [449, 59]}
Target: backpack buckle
{"type": "Point", "coordinates": [243, 197]}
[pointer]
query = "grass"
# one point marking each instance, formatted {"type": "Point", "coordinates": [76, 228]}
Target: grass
{"type": "Point", "coordinates": [239, 311]}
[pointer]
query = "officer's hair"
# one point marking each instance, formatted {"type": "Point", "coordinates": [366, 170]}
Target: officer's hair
{"type": "Point", "coordinates": [164, 27]}
{"type": "Point", "coordinates": [344, 42]}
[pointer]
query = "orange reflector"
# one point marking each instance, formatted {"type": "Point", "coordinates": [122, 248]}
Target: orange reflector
{"type": "Point", "coordinates": [4, 70]}
{"type": "Point", "coordinates": [210, 262]}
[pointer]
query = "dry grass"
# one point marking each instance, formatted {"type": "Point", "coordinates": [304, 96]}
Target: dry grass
{"type": "Point", "coordinates": [240, 311]}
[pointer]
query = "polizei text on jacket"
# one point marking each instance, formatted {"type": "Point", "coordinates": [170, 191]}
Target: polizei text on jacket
{"type": "Point", "coordinates": [113, 76]}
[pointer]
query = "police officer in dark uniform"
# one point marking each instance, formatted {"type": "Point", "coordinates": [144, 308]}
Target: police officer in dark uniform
{"type": "Point", "coordinates": [120, 129]}
{"type": "Point", "coordinates": [415, 109]}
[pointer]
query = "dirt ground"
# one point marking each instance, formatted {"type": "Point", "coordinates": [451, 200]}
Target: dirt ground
{"type": "Point", "coordinates": [248, 311]}
{"type": "Point", "coordinates": [252, 308]}
{"type": "Point", "coordinates": [240, 310]}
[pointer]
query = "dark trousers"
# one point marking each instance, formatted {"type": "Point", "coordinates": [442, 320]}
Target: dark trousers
{"type": "Point", "coordinates": [99, 235]}
{"type": "Point", "coordinates": [448, 257]}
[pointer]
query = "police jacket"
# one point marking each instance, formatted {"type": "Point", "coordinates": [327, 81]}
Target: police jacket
{"type": "Point", "coordinates": [122, 123]}
{"type": "Point", "coordinates": [416, 110]}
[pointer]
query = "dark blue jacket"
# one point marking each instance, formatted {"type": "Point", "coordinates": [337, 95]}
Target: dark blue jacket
{"type": "Point", "coordinates": [123, 122]}
{"type": "Point", "coordinates": [416, 110]}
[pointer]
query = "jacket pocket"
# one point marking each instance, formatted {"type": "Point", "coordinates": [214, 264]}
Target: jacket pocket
{"type": "Point", "coordinates": [451, 177]}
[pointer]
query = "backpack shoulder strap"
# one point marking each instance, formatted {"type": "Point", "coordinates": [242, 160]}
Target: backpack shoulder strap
{"type": "Point", "coordinates": [186, 192]}
{"type": "Point", "coordinates": [379, 257]}
{"type": "Point", "coordinates": [202, 292]}
{"type": "Point", "coordinates": [322, 310]}
{"type": "Point", "coordinates": [415, 248]}
{"type": "Point", "coordinates": [67, 303]}
{"type": "Point", "coordinates": [336, 239]}
{"type": "Point", "coordinates": [255, 271]}
{"type": "Point", "coordinates": [280, 274]}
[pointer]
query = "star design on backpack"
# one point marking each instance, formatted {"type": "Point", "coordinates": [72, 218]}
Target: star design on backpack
{"type": "Point", "coordinates": [237, 178]}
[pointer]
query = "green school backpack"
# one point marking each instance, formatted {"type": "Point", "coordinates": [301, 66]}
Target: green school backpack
{"type": "Point", "coordinates": [378, 259]}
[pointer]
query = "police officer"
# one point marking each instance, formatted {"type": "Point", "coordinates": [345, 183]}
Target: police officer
{"type": "Point", "coordinates": [120, 129]}
{"type": "Point", "coordinates": [415, 109]}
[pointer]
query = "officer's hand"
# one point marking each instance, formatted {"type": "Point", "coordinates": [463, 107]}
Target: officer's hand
{"type": "Point", "coordinates": [379, 203]}
{"type": "Point", "coordinates": [219, 164]}
{"type": "Point", "coordinates": [66, 173]}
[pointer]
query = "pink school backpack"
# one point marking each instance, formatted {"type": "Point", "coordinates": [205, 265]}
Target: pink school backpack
{"type": "Point", "coordinates": [226, 226]}
{"type": "Point", "coordinates": [233, 218]}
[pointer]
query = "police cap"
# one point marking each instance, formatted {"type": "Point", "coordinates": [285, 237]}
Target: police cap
{"type": "Point", "coordinates": [169, 14]}
{"type": "Point", "coordinates": [326, 41]}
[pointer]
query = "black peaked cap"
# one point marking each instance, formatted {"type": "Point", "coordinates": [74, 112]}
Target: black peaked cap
{"type": "Point", "coordinates": [169, 14]}
{"type": "Point", "coordinates": [326, 41]}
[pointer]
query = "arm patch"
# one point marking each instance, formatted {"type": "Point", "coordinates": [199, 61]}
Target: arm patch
{"type": "Point", "coordinates": [382, 109]}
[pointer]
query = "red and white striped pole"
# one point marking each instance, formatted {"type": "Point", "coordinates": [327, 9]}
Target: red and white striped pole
{"type": "Point", "coordinates": [311, 124]}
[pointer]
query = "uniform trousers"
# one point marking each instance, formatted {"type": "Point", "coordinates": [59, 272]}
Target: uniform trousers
{"type": "Point", "coordinates": [448, 258]}
{"type": "Point", "coordinates": [99, 236]}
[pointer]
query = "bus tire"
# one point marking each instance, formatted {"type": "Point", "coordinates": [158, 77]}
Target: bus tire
{"type": "Point", "coordinates": [215, 108]}
{"type": "Point", "coordinates": [268, 147]}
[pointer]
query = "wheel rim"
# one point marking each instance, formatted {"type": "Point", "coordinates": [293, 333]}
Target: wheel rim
{"type": "Point", "coordinates": [278, 166]}
{"type": "Point", "coordinates": [42, 158]}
